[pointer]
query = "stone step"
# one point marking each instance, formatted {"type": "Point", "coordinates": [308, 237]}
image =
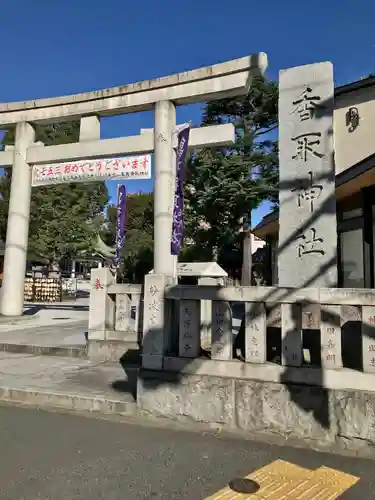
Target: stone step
{"type": "Point", "coordinates": [97, 351]}
{"type": "Point", "coordinates": [68, 383]}
{"type": "Point", "coordinates": [68, 402]}
{"type": "Point", "coordinates": [114, 350]}
{"type": "Point", "coordinates": [43, 350]}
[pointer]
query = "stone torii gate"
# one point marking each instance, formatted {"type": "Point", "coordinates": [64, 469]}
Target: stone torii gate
{"type": "Point", "coordinates": [222, 80]}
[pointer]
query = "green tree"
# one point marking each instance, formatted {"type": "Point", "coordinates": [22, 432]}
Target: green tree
{"type": "Point", "coordinates": [138, 248]}
{"type": "Point", "coordinates": [63, 217]}
{"type": "Point", "coordinates": [224, 185]}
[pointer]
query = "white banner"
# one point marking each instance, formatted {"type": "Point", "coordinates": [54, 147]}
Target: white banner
{"type": "Point", "coordinates": [126, 169]}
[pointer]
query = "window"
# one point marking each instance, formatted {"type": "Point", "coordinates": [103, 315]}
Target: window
{"type": "Point", "coordinates": [351, 214]}
{"type": "Point", "coordinates": [351, 258]}
{"type": "Point", "coordinates": [351, 243]}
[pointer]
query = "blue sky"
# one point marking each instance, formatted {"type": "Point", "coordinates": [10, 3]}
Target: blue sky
{"type": "Point", "coordinates": [55, 48]}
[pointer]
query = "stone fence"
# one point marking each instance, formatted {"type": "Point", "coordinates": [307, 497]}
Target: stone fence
{"type": "Point", "coordinates": [316, 329]}
{"type": "Point", "coordinates": [325, 399]}
{"type": "Point", "coordinates": [115, 316]}
{"type": "Point", "coordinates": [306, 372]}
{"type": "Point", "coordinates": [302, 334]}
{"type": "Point", "coordinates": [333, 316]}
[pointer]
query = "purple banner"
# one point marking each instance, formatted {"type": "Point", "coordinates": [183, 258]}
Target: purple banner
{"type": "Point", "coordinates": [120, 222]}
{"type": "Point", "coordinates": [178, 207]}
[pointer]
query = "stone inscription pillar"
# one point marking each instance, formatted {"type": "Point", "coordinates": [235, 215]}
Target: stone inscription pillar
{"type": "Point", "coordinates": [12, 291]}
{"type": "Point", "coordinates": [307, 255]}
{"type": "Point", "coordinates": [155, 322]}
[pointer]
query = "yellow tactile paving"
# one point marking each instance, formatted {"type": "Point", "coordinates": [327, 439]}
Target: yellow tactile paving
{"type": "Point", "coordinates": [280, 468]}
{"type": "Point", "coordinates": [282, 480]}
{"type": "Point", "coordinates": [333, 476]}
{"type": "Point", "coordinates": [327, 484]}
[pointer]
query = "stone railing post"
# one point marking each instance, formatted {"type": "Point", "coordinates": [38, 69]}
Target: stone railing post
{"type": "Point", "coordinates": [255, 332]}
{"type": "Point", "coordinates": [330, 337]}
{"type": "Point", "coordinates": [137, 302]}
{"type": "Point", "coordinates": [206, 310]}
{"type": "Point", "coordinates": [291, 334]}
{"type": "Point", "coordinates": [102, 307]}
{"type": "Point", "coordinates": [368, 338]}
{"type": "Point", "coordinates": [156, 324]}
{"type": "Point", "coordinates": [189, 345]}
{"type": "Point", "coordinates": [123, 312]}
{"type": "Point", "coordinates": [222, 336]}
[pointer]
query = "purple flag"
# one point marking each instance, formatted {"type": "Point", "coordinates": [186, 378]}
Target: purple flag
{"type": "Point", "coordinates": [178, 207]}
{"type": "Point", "coordinates": [120, 222]}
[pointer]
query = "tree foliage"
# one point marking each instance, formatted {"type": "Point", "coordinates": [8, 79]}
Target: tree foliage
{"type": "Point", "coordinates": [223, 185]}
{"type": "Point", "coordinates": [64, 217]}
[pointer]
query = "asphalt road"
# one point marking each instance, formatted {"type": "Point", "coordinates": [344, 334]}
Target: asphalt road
{"type": "Point", "coordinates": [55, 456]}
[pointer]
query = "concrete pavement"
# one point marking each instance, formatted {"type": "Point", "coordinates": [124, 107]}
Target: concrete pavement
{"type": "Point", "coordinates": [43, 361]}
{"type": "Point", "coordinates": [50, 455]}
{"type": "Point", "coordinates": [47, 314]}
{"type": "Point", "coordinates": [67, 383]}
{"type": "Point", "coordinates": [56, 329]}
{"type": "Point", "coordinates": [63, 339]}
{"type": "Point", "coordinates": [63, 334]}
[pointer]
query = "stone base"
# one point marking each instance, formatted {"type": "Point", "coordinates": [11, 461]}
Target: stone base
{"type": "Point", "coordinates": [113, 335]}
{"type": "Point", "coordinates": [42, 350]}
{"type": "Point", "coordinates": [334, 420]}
{"type": "Point", "coordinates": [113, 350]}
{"type": "Point", "coordinates": [13, 320]}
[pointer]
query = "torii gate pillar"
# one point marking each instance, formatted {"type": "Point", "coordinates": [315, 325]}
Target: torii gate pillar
{"type": "Point", "coordinates": [12, 290]}
{"type": "Point", "coordinates": [165, 123]}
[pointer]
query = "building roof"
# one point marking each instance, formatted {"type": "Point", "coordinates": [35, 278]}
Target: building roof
{"type": "Point", "coordinates": [353, 86]}
{"type": "Point", "coordinates": [267, 219]}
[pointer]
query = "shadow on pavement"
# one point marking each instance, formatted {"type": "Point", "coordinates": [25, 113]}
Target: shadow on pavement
{"type": "Point", "coordinates": [130, 362]}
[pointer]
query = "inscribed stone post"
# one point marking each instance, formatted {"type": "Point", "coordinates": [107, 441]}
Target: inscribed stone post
{"type": "Point", "coordinates": [189, 329]}
{"type": "Point", "coordinates": [222, 341]}
{"type": "Point", "coordinates": [154, 324]}
{"type": "Point", "coordinates": [331, 337]}
{"type": "Point", "coordinates": [307, 254]}
{"type": "Point", "coordinates": [255, 332]}
{"type": "Point", "coordinates": [102, 306]}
